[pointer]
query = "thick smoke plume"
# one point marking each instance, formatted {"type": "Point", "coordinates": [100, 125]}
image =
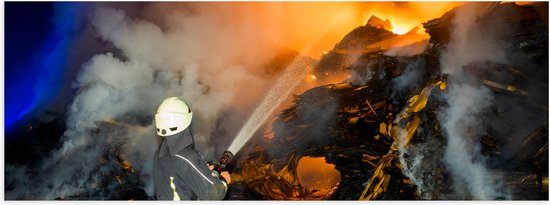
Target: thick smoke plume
{"type": "Point", "coordinates": [410, 79]}
{"type": "Point", "coordinates": [198, 57]}
{"type": "Point", "coordinates": [212, 55]}
{"type": "Point", "coordinates": [461, 120]}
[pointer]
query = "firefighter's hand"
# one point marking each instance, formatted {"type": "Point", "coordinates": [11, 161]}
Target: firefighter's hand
{"type": "Point", "coordinates": [226, 176]}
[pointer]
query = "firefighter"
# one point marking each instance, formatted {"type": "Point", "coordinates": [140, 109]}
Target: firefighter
{"type": "Point", "coordinates": [180, 172]}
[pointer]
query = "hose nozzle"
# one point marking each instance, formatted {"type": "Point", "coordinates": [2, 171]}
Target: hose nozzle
{"type": "Point", "coordinates": [224, 162]}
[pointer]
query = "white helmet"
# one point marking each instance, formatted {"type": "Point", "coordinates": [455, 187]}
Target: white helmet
{"type": "Point", "coordinates": [173, 116]}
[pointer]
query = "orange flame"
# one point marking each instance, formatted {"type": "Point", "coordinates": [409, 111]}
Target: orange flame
{"type": "Point", "coordinates": [314, 173]}
{"type": "Point", "coordinates": [313, 27]}
{"type": "Point", "coordinates": [312, 77]}
{"type": "Point", "coordinates": [405, 16]}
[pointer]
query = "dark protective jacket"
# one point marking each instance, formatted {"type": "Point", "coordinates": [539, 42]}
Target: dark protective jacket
{"type": "Point", "coordinates": [181, 173]}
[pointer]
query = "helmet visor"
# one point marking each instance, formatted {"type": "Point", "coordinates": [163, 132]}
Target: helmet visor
{"type": "Point", "coordinates": [171, 123]}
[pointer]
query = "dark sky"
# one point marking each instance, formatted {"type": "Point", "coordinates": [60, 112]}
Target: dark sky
{"type": "Point", "coordinates": [45, 45]}
{"type": "Point", "coordinates": [28, 38]}
{"type": "Point", "coordinates": [26, 29]}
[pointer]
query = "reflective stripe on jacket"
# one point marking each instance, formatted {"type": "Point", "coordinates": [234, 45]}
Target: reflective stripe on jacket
{"type": "Point", "coordinates": [190, 176]}
{"type": "Point", "coordinates": [183, 174]}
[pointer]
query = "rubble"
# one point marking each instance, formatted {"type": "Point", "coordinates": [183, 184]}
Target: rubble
{"type": "Point", "coordinates": [358, 124]}
{"type": "Point", "coordinates": [379, 23]}
{"type": "Point", "coordinates": [345, 142]}
{"type": "Point", "coordinates": [362, 135]}
{"type": "Point", "coordinates": [114, 166]}
{"type": "Point", "coordinates": [353, 45]}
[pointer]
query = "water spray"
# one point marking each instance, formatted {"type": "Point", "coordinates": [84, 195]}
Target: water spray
{"type": "Point", "coordinates": [286, 83]}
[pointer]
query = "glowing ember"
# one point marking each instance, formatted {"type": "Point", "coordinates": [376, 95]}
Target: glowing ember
{"type": "Point", "coordinates": [311, 80]}
{"type": "Point", "coordinates": [404, 16]}
{"type": "Point", "coordinates": [315, 173]}
{"type": "Point", "coordinates": [402, 29]}
{"type": "Point", "coordinates": [399, 30]}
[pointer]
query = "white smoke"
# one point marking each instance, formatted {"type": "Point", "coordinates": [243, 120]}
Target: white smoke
{"type": "Point", "coordinates": [412, 170]}
{"type": "Point", "coordinates": [408, 50]}
{"type": "Point", "coordinates": [205, 65]}
{"type": "Point", "coordinates": [461, 118]}
{"type": "Point", "coordinates": [212, 55]}
{"type": "Point", "coordinates": [469, 41]}
{"type": "Point", "coordinates": [410, 77]}
{"type": "Point", "coordinates": [463, 127]}
{"type": "Point", "coordinates": [207, 60]}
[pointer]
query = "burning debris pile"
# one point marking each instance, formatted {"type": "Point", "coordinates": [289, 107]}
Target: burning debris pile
{"type": "Point", "coordinates": [341, 143]}
{"type": "Point", "coordinates": [386, 128]}
{"type": "Point", "coordinates": [112, 174]}
{"type": "Point", "coordinates": [349, 126]}
{"type": "Point", "coordinates": [113, 166]}
{"type": "Point", "coordinates": [458, 112]}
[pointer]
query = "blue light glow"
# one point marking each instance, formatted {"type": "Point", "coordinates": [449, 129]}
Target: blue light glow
{"type": "Point", "coordinates": [34, 81]}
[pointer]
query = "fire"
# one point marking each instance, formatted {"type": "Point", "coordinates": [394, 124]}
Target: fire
{"type": "Point", "coordinates": [314, 27]}
{"type": "Point", "coordinates": [311, 179]}
{"type": "Point", "coordinates": [399, 30]}
{"type": "Point", "coordinates": [523, 2]}
{"type": "Point", "coordinates": [405, 16]}
{"type": "Point", "coordinates": [315, 174]}
{"type": "Point", "coordinates": [310, 78]}
{"type": "Point", "coordinates": [402, 29]}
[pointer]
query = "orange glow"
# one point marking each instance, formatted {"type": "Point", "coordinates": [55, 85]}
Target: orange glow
{"type": "Point", "coordinates": [312, 77]}
{"type": "Point", "coordinates": [400, 29]}
{"type": "Point", "coordinates": [310, 27]}
{"type": "Point", "coordinates": [404, 16]}
{"type": "Point", "coordinates": [314, 28]}
{"type": "Point", "coordinates": [315, 173]}
{"type": "Point", "coordinates": [269, 134]}
{"type": "Point", "coordinates": [521, 2]}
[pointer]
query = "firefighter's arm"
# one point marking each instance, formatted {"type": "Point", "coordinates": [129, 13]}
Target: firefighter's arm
{"type": "Point", "coordinates": [200, 179]}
